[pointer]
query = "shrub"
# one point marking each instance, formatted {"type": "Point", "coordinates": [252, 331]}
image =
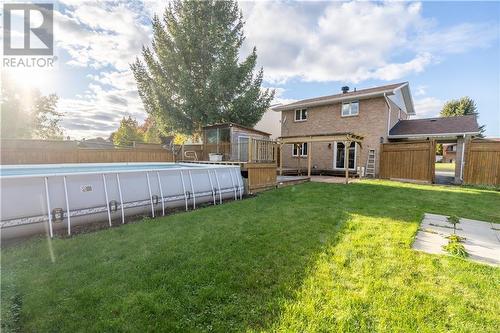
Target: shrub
{"type": "Point", "coordinates": [453, 219]}
{"type": "Point", "coordinates": [456, 238]}
{"type": "Point", "coordinates": [456, 249]}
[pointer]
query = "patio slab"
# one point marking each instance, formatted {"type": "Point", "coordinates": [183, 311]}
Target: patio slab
{"type": "Point", "coordinates": [482, 239]}
{"type": "Point", "coordinates": [332, 179]}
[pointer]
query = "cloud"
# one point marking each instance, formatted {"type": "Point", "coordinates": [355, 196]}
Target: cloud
{"type": "Point", "coordinates": [105, 37]}
{"type": "Point", "coordinates": [420, 90]}
{"type": "Point", "coordinates": [351, 41]}
{"type": "Point", "coordinates": [278, 96]}
{"type": "Point", "coordinates": [301, 41]}
{"type": "Point", "coordinates": [458, 39]}
{"type": "Point", "coordinates": [428, 107]}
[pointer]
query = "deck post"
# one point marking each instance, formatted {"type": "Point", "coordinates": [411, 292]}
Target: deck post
{"type": "Point", "coordinates": [281, 159]}
{"type": "Point", "coordinates": [347, 145]}
{"type": "Point", "coordinates": [309, 158]}
{"type": "Point", "coordinates": [250, 149]}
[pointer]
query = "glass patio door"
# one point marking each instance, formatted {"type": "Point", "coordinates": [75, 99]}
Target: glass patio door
{"type": "Point", "coordinates": [243, 148]}
{"type": "Point", "coordinates": [340, 155]}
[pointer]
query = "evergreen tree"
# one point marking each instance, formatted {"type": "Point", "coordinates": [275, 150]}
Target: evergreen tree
{"type": "Point", "coordinates": [191, 76]}
{"type": "Point", "coordinates": [461, 107]}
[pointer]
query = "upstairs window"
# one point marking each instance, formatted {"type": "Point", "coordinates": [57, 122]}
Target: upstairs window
{"type": "Point", "coordinates": [301, 115]}
{"type": "Point", "coordinates": [300, 149]}
{"type": "Point", "coordinates": [350, 109]}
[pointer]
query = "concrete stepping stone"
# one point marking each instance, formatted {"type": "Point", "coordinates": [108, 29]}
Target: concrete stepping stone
{"type": "Point", "coordinates": [482, 239]}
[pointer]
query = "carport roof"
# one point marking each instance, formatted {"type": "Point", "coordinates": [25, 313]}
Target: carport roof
{"type": "Point", "coordinates": [435, 127]}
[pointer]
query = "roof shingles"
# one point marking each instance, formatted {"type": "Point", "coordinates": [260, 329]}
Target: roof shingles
{"type": "Point", "coordinates": [435, 126]}
{"type": "Point", "coordinates": [350, 94]}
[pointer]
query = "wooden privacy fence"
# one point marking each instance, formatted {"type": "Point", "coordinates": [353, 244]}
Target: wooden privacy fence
{"type": "Point", "coordinates": [83, 155]}
{"type": "Point", "coordinates": [482, 163]}
{"type": "Point", "coordinates": [261, 176]}
{"type": "Point", "coordinates": [408, 160]}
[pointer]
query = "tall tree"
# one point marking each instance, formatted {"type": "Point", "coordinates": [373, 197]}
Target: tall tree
{"type": "Point", "coordinates": [46, 118]}
{"type": "Point", "coordinates": [461, 107]}
{"type": "Point", "coordinates": [127, 133]}
{"type": "Point", "coordinates": [150, 131]}
{"type": "Point", "coordinates": [191, 76]}
{"type": "Point", "coordinates": [27, 114]}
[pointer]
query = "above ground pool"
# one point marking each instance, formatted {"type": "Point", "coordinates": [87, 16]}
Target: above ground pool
{"type": "Point", "coordinates": [45, 198]}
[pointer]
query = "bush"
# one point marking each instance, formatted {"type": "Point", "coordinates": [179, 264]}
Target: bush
{"type": "Point", "coordinates": [456, 238]}
{"type": "Point", "coordinates": [453, 219]}
{"type": "Point", "coordinates": [456, 249]}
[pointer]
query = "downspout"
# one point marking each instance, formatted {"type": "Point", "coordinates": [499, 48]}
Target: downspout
{"type": "Point", "coordinates": [388, 113]}
{"type": "Point", "coordinates": [462, 160]}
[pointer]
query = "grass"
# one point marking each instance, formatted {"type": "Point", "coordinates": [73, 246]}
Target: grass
{"type": "Point", "coordinates": [445, 167]}
{"type": "Point", "coordinates": [309, 258]}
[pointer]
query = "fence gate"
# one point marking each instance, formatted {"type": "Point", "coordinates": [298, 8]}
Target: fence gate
{"type": "Point", "coordinates": [482, 163]}
{"type": "Point", "coordinates": [408, 160]}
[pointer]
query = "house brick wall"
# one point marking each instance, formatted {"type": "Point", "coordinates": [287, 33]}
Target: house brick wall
{"type": "Point", "coordinates": [371, 123]}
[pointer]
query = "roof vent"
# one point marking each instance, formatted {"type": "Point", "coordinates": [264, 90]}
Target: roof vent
{"type": "Point", "coordinates": [345, 89]}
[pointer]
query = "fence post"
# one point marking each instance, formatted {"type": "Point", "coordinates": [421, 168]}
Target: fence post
{"type": "Point", "coordinates": [281, 158]}
{"type": "Point", "coordinates": [250, 150]}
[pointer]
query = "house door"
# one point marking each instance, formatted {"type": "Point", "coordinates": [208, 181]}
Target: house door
{"type": "Point", "coordinates": [339, 155]}
{"type": "Point", "coordinates": [243, 148]}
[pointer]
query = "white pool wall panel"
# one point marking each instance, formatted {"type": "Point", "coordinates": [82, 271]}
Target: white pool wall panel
{"type": "Point", "coordinates": [24, 209]}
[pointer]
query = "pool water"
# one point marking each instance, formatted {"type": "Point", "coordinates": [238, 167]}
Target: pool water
{"type": "Point", "coordinates": [61, 169]}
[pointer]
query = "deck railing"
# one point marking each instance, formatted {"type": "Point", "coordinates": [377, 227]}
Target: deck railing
{"type": "Point", "coordinates": [251, 150]}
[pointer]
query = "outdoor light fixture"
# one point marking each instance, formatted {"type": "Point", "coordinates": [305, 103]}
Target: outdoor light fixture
{"type": "Point", "coordinates": [57, 214]}
{"type": "Point", "coordinates": [113, 205]}
{"type": "Point", "coordinates": [381, 139]}
{"type": "Point", "coordinates": [329, 146]}
{"type": "Point", "coordinates": [155, 199]}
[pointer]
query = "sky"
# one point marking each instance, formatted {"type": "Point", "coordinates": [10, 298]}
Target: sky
{"type": "Point", "coordinates": [445, 50]}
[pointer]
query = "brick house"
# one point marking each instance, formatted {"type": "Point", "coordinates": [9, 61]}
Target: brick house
{"type": "Point", "coordinates": [449, 153]}
{"type": "Point", "coordinates": [380, 114]}
{"type": "Point", "coordinates": [370, 113]}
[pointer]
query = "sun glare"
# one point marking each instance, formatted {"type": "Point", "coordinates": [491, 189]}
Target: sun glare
{"type": "Point", "coordinates": [26, 78]}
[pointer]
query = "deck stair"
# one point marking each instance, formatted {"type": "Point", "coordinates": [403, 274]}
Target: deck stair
{"type": "Point", "coordinates": [370, 164]}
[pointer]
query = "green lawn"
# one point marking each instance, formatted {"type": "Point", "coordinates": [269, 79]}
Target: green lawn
{"type": "Point", "coordinates": [309, 258]}
{"type": "Point", "coordinates": [445, 166]}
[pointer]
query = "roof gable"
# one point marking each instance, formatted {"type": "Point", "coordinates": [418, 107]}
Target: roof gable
{"type": "Point", "coordinates": [400, 89]}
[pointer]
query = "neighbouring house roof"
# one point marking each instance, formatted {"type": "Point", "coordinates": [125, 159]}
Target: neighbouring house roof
{"type": "Point", "coordinates": [401, 89]}
{"type": "Point", "coordinates": [445, 126]}
{"type": "Point", "coordinates": [222, 125]}
{"type": "Point", "coordinates": [95, 143]}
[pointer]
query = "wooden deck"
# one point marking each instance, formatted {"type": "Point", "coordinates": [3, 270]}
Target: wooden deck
{"type": "Point", "coordinates": [258, 176]}
{"type": "Point", "coordinates": [283, 181]}
{"type": "Point", "coordinates": [242, 165]}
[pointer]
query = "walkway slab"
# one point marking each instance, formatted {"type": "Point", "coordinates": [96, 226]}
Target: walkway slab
{"type": "Point", "coordinates": [482, 239]}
